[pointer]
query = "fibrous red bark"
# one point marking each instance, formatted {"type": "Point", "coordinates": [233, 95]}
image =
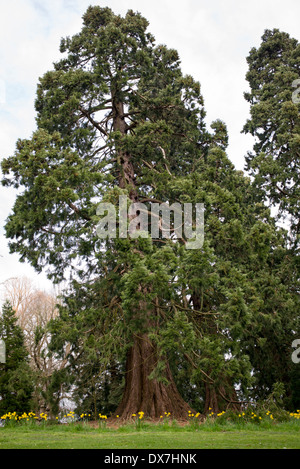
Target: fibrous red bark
{"type": "Point", "coordinates": [151, 396]}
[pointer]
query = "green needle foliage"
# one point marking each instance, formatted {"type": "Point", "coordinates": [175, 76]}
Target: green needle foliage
{"type": "Point", "coordinates": [275, 123]}
{"type": "Point", "coordinates": [144, 318]}
{"type": "Point", "coordinates": [16, 377]}
{"type": "Point", "coordinates": [273, 75]}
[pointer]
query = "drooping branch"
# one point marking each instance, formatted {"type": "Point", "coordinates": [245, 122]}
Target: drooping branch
{"type": "Point", "coordinates": [78, 211]}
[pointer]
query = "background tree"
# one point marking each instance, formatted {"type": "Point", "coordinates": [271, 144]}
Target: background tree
{"type": "Point", "coordinates": [275, 123]}
{"type": "Point", "coordinates": [237, 310]}
{"type": "Point", "coordinates": [33, 310]}
{"type": "Point", "coordinates": [16, 377]}
{"type": "Point", "coordinates": [94, 371]}
{"type": "Point", "coordinates": [274, 164]}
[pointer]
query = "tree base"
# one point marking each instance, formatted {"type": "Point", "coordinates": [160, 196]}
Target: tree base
{"type": "Point", "coordinates": [153, 397]}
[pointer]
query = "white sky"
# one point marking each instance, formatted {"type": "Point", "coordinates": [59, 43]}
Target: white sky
{"type": "Point", "coordinates": [213, 38]}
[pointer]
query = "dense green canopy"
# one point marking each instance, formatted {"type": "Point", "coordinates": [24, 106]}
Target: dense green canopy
{"type": "Point", "coordinates": [16, 382]}
{"type": "Point", "coordinates": [274, 69]}
{"type": "Point", "coordinates": [171, 328]}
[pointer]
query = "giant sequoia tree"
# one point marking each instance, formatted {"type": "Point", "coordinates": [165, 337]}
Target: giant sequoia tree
{"type": "Point", "coordinates": [117, 117]}
{"type": "Point", "coordinates": [111, 110]}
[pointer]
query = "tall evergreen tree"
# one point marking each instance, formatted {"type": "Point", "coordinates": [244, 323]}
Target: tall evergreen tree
{"type": "Point", "coordinates": [16, 378]}
{"type": "Point", "coordinates": [113, 114]}
{"type": "Point", "coordinates": [117, 117]}
{"type": "Point", "coordinates": [273, 75]}
{"type": "Point", "coordinates": [274, 71]}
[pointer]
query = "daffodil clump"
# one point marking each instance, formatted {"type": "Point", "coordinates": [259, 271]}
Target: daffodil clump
{"type": "Point", "coordinates": [191, 415]}
{"type": "Point", "coordinates": [165, 418]}
{"type": "Point", "coordinates": [252, 416]}
{"type": "Point", "coordinates": [241, 418]}
{"type": "Point", "coordinates": [138, 418]}
{"type": "Point", "coordinates": [102, 420]}
{"type": "Point", "coordinates": [14, 417]}
{"type": "Point", "coordinates": [67, 417]}
{"type": "Point", "coordinates": [295, 415]}
{"type": "Point", "coordinates": [194, 420]}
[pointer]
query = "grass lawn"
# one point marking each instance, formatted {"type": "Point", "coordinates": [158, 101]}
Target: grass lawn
{"type": "Point", "coordinates": [281, 437]}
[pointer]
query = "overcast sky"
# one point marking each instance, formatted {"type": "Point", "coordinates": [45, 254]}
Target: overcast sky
{"type": "Point", "coordinates": [213, 38]}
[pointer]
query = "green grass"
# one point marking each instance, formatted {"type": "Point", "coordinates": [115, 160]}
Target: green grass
{"type": "Point", "coordinates": [208, 436]}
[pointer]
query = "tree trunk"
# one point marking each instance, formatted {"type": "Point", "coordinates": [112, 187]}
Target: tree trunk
{"type": "Point", "coordinates": [151, 396]}
{"type": "Point", "coordinates": [218, 399]}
